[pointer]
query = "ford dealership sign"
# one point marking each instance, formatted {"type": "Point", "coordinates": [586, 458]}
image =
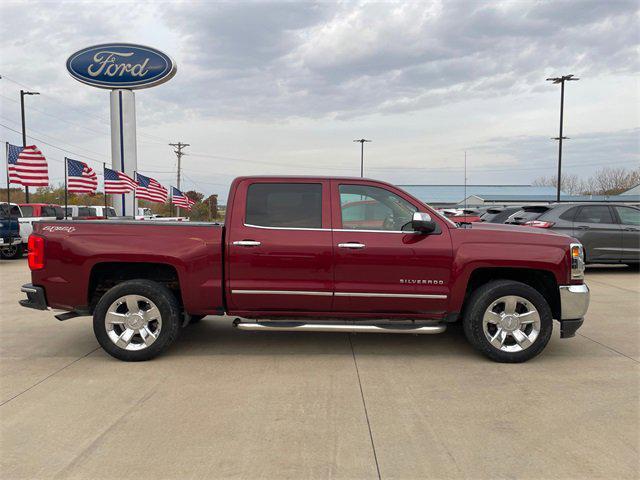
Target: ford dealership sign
{"type": "Point", "coordinates": [121, 65]}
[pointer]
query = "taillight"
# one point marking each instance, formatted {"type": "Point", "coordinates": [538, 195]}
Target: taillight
{"type": "Point", "coordinates": [36, 252]}
{"type": "Point", "coordinates": [539, 224]}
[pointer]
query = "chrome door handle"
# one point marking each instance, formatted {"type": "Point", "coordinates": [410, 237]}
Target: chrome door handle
{"type": "Point", "coordinates": [353, 245]}
{"type": "Point", "coordinates": [247, 243]}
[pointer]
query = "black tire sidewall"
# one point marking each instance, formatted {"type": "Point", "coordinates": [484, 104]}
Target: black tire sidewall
{"type": "Point", "coordinates": [169, 310]}
{"type": "Point", "coordinates": [480, 301]}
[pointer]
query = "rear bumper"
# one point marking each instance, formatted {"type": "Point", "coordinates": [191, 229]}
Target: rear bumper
{"type": "Point", "coordinates": [574, 303]}
{"type": "Point", "coordinates": [35, 297]}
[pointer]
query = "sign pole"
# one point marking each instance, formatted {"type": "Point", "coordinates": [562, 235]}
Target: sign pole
{"type": "Point", "coordinates": [104, 177]}
{"type": "Point", "coordinates": [8, 194]}
{"type": "Point", "coordinates": [65, 188]}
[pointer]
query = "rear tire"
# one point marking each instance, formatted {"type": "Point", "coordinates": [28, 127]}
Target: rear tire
{"type": "Point", "coordinates": [508, 321]}
{"type": "Point", "coordinates": [136, 320]}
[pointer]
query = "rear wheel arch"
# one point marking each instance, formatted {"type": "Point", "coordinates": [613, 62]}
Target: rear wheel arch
{"type": "Point", "coordinates": [544, 281]}
{"type": "Point", "coordinates": [105, 275]}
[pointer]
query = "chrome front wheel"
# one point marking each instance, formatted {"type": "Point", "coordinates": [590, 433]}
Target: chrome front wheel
{"type": "Point", "coordinates": [511, 323]}
{"type": "Point", "coordinates": [133, 322]}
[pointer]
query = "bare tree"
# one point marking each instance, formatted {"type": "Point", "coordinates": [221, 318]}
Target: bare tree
{"type": "Point", "coordinates": [570, 184]}
{"type": "Point", "coordinates": [606, 181]}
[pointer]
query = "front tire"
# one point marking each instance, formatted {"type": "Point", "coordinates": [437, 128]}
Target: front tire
{"type": "Point", "coordinates": [136, 320]}
{"type": "Point", "coordinates": [508, 321]}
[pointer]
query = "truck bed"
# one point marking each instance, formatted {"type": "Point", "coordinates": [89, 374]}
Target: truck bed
{"type": "Point", "coordinates": [79, 253]}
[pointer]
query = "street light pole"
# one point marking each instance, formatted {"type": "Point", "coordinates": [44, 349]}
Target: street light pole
{"type": "Point", "coordinates": [362, 141]}
{"type": "Point", "coordinates": [561, 80]}
{"type": "Point", "coordinates": [24, 133]}
{"type": "Point", "coordinates": [178, 151]}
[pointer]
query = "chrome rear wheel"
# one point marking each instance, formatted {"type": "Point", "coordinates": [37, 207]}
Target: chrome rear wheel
{"type": "Point", "coordinates": [133, 322]}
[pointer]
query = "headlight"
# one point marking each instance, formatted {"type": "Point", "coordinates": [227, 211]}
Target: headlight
{"type": "Point", "coordinates": [577, 261]}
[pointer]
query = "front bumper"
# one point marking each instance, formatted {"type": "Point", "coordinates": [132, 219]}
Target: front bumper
{"type": "Point", "coordinates": [35, 297]}
{"type": "Point", "coordinates": [574, 303]}
{"type": "Point", "coordinates": [5, 242]}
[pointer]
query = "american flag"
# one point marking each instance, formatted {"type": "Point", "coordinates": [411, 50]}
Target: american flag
{"type": "Point", "coordinates": [117, 182]}
{"type": "Point", "coordinates": [27, 166]}
{"type": "Point", "coordinates": [180, 199]}
{"type": "Point", "coordinates": [149, 189]}
{"type": "Point", "coordinates": [80, 177]}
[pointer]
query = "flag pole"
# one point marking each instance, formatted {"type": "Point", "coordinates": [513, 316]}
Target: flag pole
{"type": "Point", "coordinates": [104, 178]}
{"type": "Point", "coordinates": [8, 194]}
{"type": "Point", "coordinates": [65, 187]}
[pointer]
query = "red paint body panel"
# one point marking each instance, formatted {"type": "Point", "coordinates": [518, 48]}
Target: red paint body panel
{"type": "Point", "coordinates": [195, 251]}
{"type": "Point", "coordinates": [300, 272]}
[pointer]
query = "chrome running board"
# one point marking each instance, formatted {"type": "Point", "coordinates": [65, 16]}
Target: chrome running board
{"type": "Point", "coordinates": [282, 326]}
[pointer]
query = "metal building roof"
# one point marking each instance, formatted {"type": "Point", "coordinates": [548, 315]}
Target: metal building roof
{"type": "Point", "coordinates": [456, 193]}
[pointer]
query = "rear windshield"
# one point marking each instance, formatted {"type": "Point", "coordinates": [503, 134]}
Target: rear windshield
{"type": "Point", "coordinates": [27, 210]}
{"type": "Point", "coordinates": [526, 214]}
{"type": "Point", "coordinates": [4, 211]}
{"type": "Point", "coordinates": [490, 214]}
{"type": "Point", "coordinates": [86, 212]}
{"type": "Point", "coordinates": [49, 211]}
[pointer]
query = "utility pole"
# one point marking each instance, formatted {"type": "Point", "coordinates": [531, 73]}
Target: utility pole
{"type": "Point", "coordinates": [362, 141]}
{"type": "Point", "coordinates": [178, 151]}
{"type": "Point", "coordinates": [24, 133]}
{"type": "Point", "coordinates": [561, 80]}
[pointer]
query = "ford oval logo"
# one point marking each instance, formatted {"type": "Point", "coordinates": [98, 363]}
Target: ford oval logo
{"type": "Point", "coordinates": [121, 65]}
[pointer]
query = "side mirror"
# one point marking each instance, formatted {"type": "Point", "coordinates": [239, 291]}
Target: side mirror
{"type": "Point", "coordinates": [422, 223]}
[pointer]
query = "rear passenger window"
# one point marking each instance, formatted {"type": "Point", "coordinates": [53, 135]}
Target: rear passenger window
{"type": "Point", "coordinates": [594, 214]}
{"type": "Point", "coordinates": [286, 205]}
{"type": "Point", "coordinates": [628, 215]}
{"type": "Point", "coordinates": [569, 214]}
{"type": "Point", "coordinates": [48, 212]}
{"type": "Point", "coordinates": [27, 211]}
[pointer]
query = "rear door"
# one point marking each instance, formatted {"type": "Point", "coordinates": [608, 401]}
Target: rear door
{"type": "Point", "coordinates": [597, 229]}
{"type": "Point", "coordinates": [629, 219]}
{"type": "Point", "coordinates": [381, 266]}
{"type": "Point", "coordinates": [279, 249]}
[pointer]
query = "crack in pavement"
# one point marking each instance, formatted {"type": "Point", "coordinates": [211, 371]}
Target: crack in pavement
{"type": "Point", "coordinates": [364, 404]}
{"type": "Point", "coordinates": [49, 376]}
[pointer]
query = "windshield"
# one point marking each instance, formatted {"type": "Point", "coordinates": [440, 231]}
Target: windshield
{"type": "Point", "coordinates": [4, 211]}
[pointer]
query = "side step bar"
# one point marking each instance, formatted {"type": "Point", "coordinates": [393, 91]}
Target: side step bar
{"type": "Point", "coordinates": [338, 327]}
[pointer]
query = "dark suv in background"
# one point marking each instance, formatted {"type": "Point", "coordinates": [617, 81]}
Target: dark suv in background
{"type": "Point", "coordinates": [498, 214]}
{"type": "Point", "coordinates": [610, 233]}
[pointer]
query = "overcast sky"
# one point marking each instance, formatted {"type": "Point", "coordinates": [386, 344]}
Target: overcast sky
{"type": "Point", "coordinates": [284, 88]}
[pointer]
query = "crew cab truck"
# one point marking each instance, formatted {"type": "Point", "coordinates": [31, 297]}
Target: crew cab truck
{"type": "Point", "coordinates": [286, 260]}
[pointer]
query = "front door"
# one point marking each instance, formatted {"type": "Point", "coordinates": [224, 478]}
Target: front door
{"type": "Point", "coordinates": [599, 232]}
{"type": "Point", "coordinates": [279, 249]}
{"type": "Point", "coordinates": [381, 266]}
{"type": "Point", "coordinates": [630, 220]}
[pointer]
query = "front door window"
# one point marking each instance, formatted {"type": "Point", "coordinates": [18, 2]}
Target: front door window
{"type": "Point", "coordinates": [372, 208]}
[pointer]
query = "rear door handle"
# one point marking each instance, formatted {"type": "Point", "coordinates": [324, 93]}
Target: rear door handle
{"type": "Point", "coordinates": [583, 227]}
{"type": "Point", "coordinates": [352, 245]}
{"type": "Point", "coordinates": [247, 243]}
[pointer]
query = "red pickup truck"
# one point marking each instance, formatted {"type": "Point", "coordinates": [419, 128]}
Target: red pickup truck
{"type": "Point", "coordinates": [285, 260]}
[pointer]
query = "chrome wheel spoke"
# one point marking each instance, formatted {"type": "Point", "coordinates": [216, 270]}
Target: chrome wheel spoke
{"type": "Point", "coordinates": [132, 303]}
{"type": "Point", "coordinates": [521, 338]}
{"type": "Point", "coordinates": [148, 337]}
{"type": "Point", "coordinates": [498, 339]}
{"type": "Point", "coordinates": [491, 317]}
{"type": "Point", "coordinates": [115, 318]}
{"type": "Point", "coordinates": [125, 338]}
{"type": "Point", "coordinates": [152, 314]}
{"type": "Point", "coordinates": [510, 304]}
{"type": "Point", "coordinates": [529, 317]}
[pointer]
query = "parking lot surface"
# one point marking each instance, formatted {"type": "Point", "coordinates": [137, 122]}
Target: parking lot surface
{"type": "Point", "coordinates": [230, 404]}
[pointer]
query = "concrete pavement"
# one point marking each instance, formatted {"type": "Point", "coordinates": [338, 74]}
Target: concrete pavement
{"type": "Point", "coordinates": [229, 404]}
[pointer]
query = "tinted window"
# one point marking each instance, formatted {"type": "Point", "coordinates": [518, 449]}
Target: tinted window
{"type": "Point", "coordinates": [86, 212]}
{"type": "Point", "coordinates": [27, 210]}
{"type": "Point", "coordinates": [523, 216]}
{"type": "Point", "coordinates": [628, 215]}
{"type": "Point", "coordinates": [594, 214]}
{"type": "Point", "coordinates": [69, 211]}
{"type": "Point", "coordinates": [293, 205]}
{"type": "Point", "coordinates": [15, 211]}
{"type": "Point", "coordinates": [111, 212]}
{"type": "Point", "coordinates": [59, 212]}
{"type": "Point", "coordinates": [48, 212]}
{"type": "Point", "coordinates": [569, 214]}
{"type": "Point", "coordinates": [373, 208]}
